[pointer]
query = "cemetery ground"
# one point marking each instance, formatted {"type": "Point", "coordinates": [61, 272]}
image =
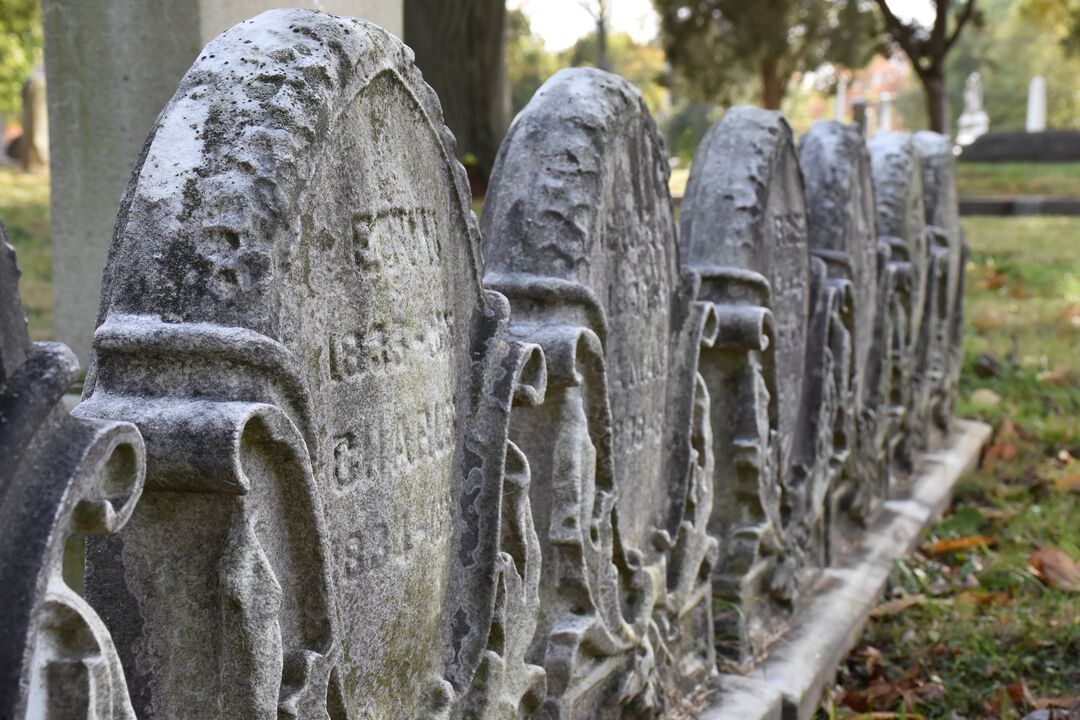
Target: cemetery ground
{"type": "Point", "coordinates": [985, 620]}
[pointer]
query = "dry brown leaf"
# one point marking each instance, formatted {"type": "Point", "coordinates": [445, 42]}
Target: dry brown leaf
{"type": "Point", "coordinates": [991, 279]}
{"type": "Point", "coordinates": [1056, 569]}
{"type": "Point", "coordinates": [1068, 483]}
{"type": "Point", "coordinates": [1058, 376]}
{"type": "Point", "coordinates": [1063, 703]}
{"type": "Point", "coordinates": [963, 543]}
{"type": "Point", "coordinates": [892, 607]}
{"type": "Point", "coordinates": [1019, 694]}
{"type": "Point", "coordinates": [995, 513]}
{"type": "Point", "coordinates": [982, 597]}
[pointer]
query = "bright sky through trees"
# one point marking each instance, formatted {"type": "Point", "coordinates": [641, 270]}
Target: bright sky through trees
{"type": "Point", "coordinates": [561, 22]}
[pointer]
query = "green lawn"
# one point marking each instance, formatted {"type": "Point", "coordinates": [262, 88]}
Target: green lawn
{"type": "Point", "coordinates": [983, 635]}
{"type": "Point", "coordinates": [1018, 179]}
{"type": "Point", "coordinates": [24, 211]}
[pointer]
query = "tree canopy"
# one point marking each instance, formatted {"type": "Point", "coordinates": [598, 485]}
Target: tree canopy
{"type": "Point", "coordinates": [715, 47]}
{"type": "Point", "coordinates": [21, 43]}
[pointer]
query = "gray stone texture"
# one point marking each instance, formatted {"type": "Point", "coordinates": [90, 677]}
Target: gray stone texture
{"type": "Point", "coordinates": [342, 455]}
{"type": "Point", "coordinates": [580, 236]}
{"type": "Point", "coordinates": [64, 477]}
{"type": "Point", "coordinates": [292, 313]}
{"type": "Point", "coordinates": [112, 66]}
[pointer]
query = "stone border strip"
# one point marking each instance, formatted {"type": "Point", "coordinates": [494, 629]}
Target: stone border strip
{"type": "Point", "coordinates": [801, 664]}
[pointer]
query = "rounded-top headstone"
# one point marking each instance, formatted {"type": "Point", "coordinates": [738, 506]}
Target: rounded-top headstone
{"type": "Point", "coordinates": [840, 202]}
{"type": "Point", "coordinates": [744, 207]}
{"type": "Point", "coordinates": [300, 195]}
{"type": "Point", "coordinates": [580, 194]}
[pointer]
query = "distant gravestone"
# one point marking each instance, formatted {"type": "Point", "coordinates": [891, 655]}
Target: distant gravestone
{"type": "Point", "coordinates": [580, 236]}
{"type": "Point", "coordinates": [840, 202]}
{"type": "Point", "coordinates": [901, 222]}
{"type": "Point", "coordinates": [64, 477]}
{"type": "Point", "coordinates": [885, 116]}
{"type": "Point", "coordinates": [744, 230]}
{"type": "Point", "coordinates": [1036, 105]}
{"type": "Point", "coordinates": [840, 111]}
{"type": "Point", "coordinates": [334, 523]}
{"type": "Point", "coordinates": [35, 120]}
{"type": "Point", "coordinates": [973, 122]}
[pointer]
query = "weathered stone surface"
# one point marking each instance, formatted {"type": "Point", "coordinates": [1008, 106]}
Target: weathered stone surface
{"type": "Point", "coordinates": [840, 202]}
{"type": "Point", "coordinates": [901, 222]}
{"type": "Point", "coordinates": [950, 251]}
{"type": "Point", "coordinates": [335, 522]}
{"type": "Point", "coordinates": [63, 477]}
{"type": "Point", "coordinates": [112, 67]}
{"type": "Point", "coordinates": [579, 234]}
{"type": "Point", "coordinates": [744, 231]}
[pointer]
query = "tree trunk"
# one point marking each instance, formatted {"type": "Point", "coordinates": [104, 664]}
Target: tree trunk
{"type": "Point", "coordinates": [773, 86]}
{"type": "Point", "coordinates": [601, 43]}
{"type": "Point", "coordinates": [937, 100]}
{"type": "Point", "coordinates": [460, 47]}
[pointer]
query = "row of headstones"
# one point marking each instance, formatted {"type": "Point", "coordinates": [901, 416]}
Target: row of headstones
{"type": "Point", "coordinates": [344, 453]}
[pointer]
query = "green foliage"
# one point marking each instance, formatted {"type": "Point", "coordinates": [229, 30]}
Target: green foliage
{"type": "Point", "coordinates": [24, 210]}
{"type": "Point", "coordinates": [1016, 42]}
{"type": "Point", "coordinates": [716, 47]}
{"type": "Point", "coordinates": [984, 621]}
{"type": "Point", "coordinates": [21, 50]}
{"type": "Point", "coordinates": [528, 63]}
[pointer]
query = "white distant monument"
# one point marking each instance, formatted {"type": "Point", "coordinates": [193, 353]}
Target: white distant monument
{"type": "Point", "coordinates": [1036, 110]}
{"type": "Point", "coordinates": [841, 99]}
{"type": "Point", "coordinates": [885, 118]}
{"type": "Point", "coordinates": [973, 121]}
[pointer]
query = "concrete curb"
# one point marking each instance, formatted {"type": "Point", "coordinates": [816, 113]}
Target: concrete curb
{"type": "Point", "coordinates": [802, 663]}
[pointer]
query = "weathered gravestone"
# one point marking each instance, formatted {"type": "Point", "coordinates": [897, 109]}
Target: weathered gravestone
{"type": "Point", "coordinates": [901, 223]}
{"type": "Point", "coordinates": [579, 234]}
{"type": "Point", "coordinates": [950, 253]}
{"type": "Point", "coordinates": [840, 202]}
{"type": "Point", "coordinates": [35, 121]}
{"type": "Point", "coordinates": [63, 477]}
{"type": "Point", "coordinates": [334, 522]}
{"type": "Point", "coordinates": [777, 374]}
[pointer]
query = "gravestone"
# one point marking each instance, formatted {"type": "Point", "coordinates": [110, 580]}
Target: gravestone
{"type": "Point", "coordinates": [64, 477]}
{"type": "Point", "coordinates": [973, 122]}
{"type": "Point", "coordinates": [949, 252]}
{"type": "Point", "coordinates": [901, 222]}
{"type": "Point", "coordinates": [1036, 105]}
{"type": "Point", "coordinates": [112, 66]}
{"type": "Point", "coordinates": [840, 111]}
{"type": "Point", "coordinates": [579, 234]}
{"type": "Point", "coordinates": [35, 120]}
{"type": "Point", "coordinates": [334, 523]}
{"type": "Point", "coordinates": [744, 231]}
{"type": "Point", "coordinates": [840, 203]}
{"type": "Point", "coordinates": [885, 116]}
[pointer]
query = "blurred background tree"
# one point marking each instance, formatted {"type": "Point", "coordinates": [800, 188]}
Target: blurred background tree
{"type": "Point", "coordinates": [716, 46]}
{"type": "Point", "coordinates": [21, 44]}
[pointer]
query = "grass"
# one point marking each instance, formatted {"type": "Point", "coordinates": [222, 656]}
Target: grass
{"type": "Point", "coordinates": [983, 635]}
{"type": "Point", "coordinates": [994, 179]}
{"type": "Point", "coordinates": [24, 210]}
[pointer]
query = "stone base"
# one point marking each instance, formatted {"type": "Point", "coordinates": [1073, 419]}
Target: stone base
{"type": "Point", "coordinates": [803, 662]}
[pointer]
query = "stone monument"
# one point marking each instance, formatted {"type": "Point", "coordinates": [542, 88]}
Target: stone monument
{"type": "Point", "coordinates": [885, 114]}
{"type": "Point", "coordinates": [840, 203]}
{"type": "Point", "coordinates": [112, 65]}
{"type": "Point", "coordinates": [1036, 106]}
{"type": "Point", "coordinates": [292, 314]}
{"type": "Point", "coordinates": [973, 120]}
{"type": "Point", "coordinates": [35, 120]}
{"type": "Point", "coordinates": [581, 238]}
{"type": "Point", "coordinates": [64, 477]}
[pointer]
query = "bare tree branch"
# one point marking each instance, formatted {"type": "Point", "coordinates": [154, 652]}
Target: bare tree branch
{"type": "Point", "coordinates": [965, 15]}
{"type": "Point", "coordinates": [904, 35]}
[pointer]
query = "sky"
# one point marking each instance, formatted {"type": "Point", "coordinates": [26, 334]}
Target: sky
{"type": "Point", "coordinates": [561, 22]}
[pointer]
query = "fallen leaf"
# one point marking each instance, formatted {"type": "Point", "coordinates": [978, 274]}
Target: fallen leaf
{"type": "Point", "coordinates": [1068, 483]}
{"type": "Point", "coordinates": [942, 547]}
{"type": "Point", "coordinates": [1056, 569]}
{"type": "Point", "coordinates": [1058, 376]}
{"type": "Point", "coordinates": [987, 320]}
{"type": "Point", "coordinates": [1063, 703]}
{"type": "Point", "coordinates": [992, 279]}
{"type": "Point", "coordinates": [994, 513]}
{"type": "Point", "coordinates": [892, 607]}
{"type": "Point", "coordinates": [982, 598]}
{"type": "Point", "coordinates": [985, 398]}
{"type": "Point", "coordinates": [1019, 694]}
